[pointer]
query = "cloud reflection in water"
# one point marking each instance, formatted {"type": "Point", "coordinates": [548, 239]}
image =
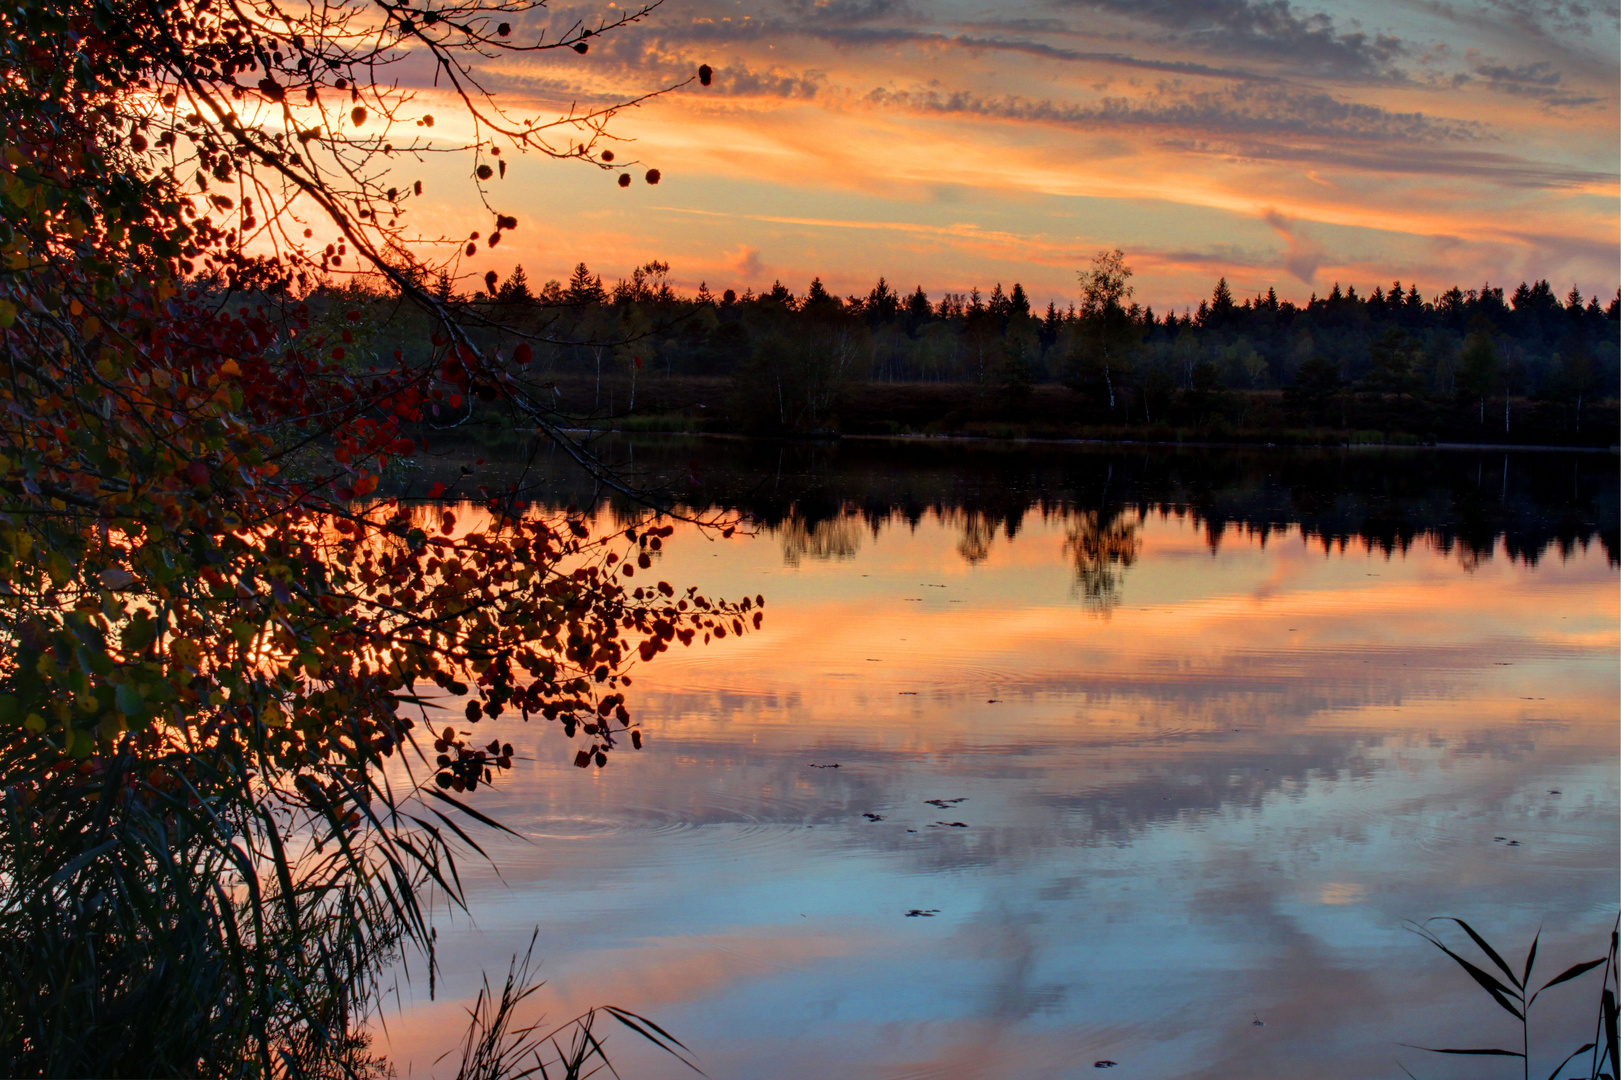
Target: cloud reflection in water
{"type": "Point", "coordinates": [1216, 805]}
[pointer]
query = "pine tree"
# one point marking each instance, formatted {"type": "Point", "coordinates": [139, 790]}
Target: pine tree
{"type": "Point", "coordinates": [582, 288]}
{"type": "Point", "coordinates": [1018, 302]}
{"type": "Point", "coordinates": [917, 305]}
{"type": "Point", "coordinates": [998, 304]}
{"type": "Point", "coordinates": [515, 289]}
{"type": "Point", "coordinates": [882, 304]}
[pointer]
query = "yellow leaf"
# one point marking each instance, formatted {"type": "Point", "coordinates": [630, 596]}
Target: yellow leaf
{"type": "Point", "coordinates": [8, 314]}
{"type": "Point", "coordinates": [230, 368]}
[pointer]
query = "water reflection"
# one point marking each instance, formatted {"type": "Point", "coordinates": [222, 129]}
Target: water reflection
{"type": "Point", "coordinates": [1102, 546]}
{"type": "Point", "coordinates": [830, 538]}
{"type": "Point", "coordinates": [977, 533]}
{"type": "Point", "coordinates": [1214, 806]}
{"type": "Point", "coordinates": [1469, 504]}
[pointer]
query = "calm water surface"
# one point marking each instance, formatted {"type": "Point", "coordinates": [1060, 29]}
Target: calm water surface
{"type": "Point", "coordinates": [1205, 763]}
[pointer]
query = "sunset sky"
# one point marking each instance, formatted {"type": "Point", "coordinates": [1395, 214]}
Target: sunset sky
{"type": "Point", "coordinates": [951, 144]}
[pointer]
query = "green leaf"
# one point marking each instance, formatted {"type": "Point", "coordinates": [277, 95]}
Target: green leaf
{"type": "Point", "coordinates": [130, 702]}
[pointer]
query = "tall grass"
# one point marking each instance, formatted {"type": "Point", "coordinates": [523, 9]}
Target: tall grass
{"type": "Point", "coordinates": [1514, 994]}
{"type": "Point", "coordinates": [498, 1047]}
{"type": "Point", "coordinates": [186, 919]}
{"type": "Point", "coordinates": [180, 920]}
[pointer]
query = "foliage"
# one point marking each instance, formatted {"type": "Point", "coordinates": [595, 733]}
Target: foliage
{"type": "Point", "coordinates": [1106, 333]}
{"type": "Point", "coordinates": [220, 808]}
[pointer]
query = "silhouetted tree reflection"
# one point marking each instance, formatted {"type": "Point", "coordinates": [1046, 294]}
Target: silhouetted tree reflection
{"type": "Point", "coordinates": [830, 538]}
{"type": "Point", "coordinates": [1102, 545]}
{"type": "Point", "coordinates": [1474, 506]}
{"type": "Point", "coordinates": [978, 531]}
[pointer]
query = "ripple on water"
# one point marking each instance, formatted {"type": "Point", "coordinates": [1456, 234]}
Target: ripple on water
{"type": "Point", "coordinates": [720, 675]}
{"type": "Point", "coordinates": [713, 822]}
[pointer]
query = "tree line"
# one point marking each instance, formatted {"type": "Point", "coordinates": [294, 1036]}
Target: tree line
{"type": "Point", "coordinates": [1483, 346]}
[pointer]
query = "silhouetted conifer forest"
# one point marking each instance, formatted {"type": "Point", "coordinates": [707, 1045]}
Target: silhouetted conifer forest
{"type": "Point", "coordinates": [1391, 365]}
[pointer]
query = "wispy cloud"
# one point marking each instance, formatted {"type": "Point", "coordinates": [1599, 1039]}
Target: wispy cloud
{"type": "Point", "coordinates": [1555, 19]}
{"type": "Point", "coordinates": [1273, 29]}
{"type": "Point", "coordinates": [1539, 80]}
{"type": "Point", "coordinates": [1302, 256]}
{"type": "Point", "coordinates": [1298, 138]}
{"type": "Point", "coordinates": [1244, 109]}
{"type": "Point", "coordinates": [745, 263]}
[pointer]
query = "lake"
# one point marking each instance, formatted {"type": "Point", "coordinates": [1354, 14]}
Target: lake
{"type": "Point", "coordinates": [1162, 747]}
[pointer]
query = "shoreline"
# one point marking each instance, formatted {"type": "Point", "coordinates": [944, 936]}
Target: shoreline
{"type": "Point", "coordinates": [836, 437]}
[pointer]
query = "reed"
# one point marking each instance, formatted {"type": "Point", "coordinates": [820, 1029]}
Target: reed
{"type": "Point", "coordinates": [184, 920]}
{"type": "Point", "coordinates": [1514, 994]}
{"type": "Point", "coordinates": [498, 1047]}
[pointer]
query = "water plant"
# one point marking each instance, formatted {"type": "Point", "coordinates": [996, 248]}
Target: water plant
{"type": "Point", "coordinates": [1514, 994]}
{"type": "Point", "coordinates": [497, 1046]}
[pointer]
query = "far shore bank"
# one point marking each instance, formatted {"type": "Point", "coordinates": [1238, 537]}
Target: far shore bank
{"type": "Point", "coordinates": [1056, 414]}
